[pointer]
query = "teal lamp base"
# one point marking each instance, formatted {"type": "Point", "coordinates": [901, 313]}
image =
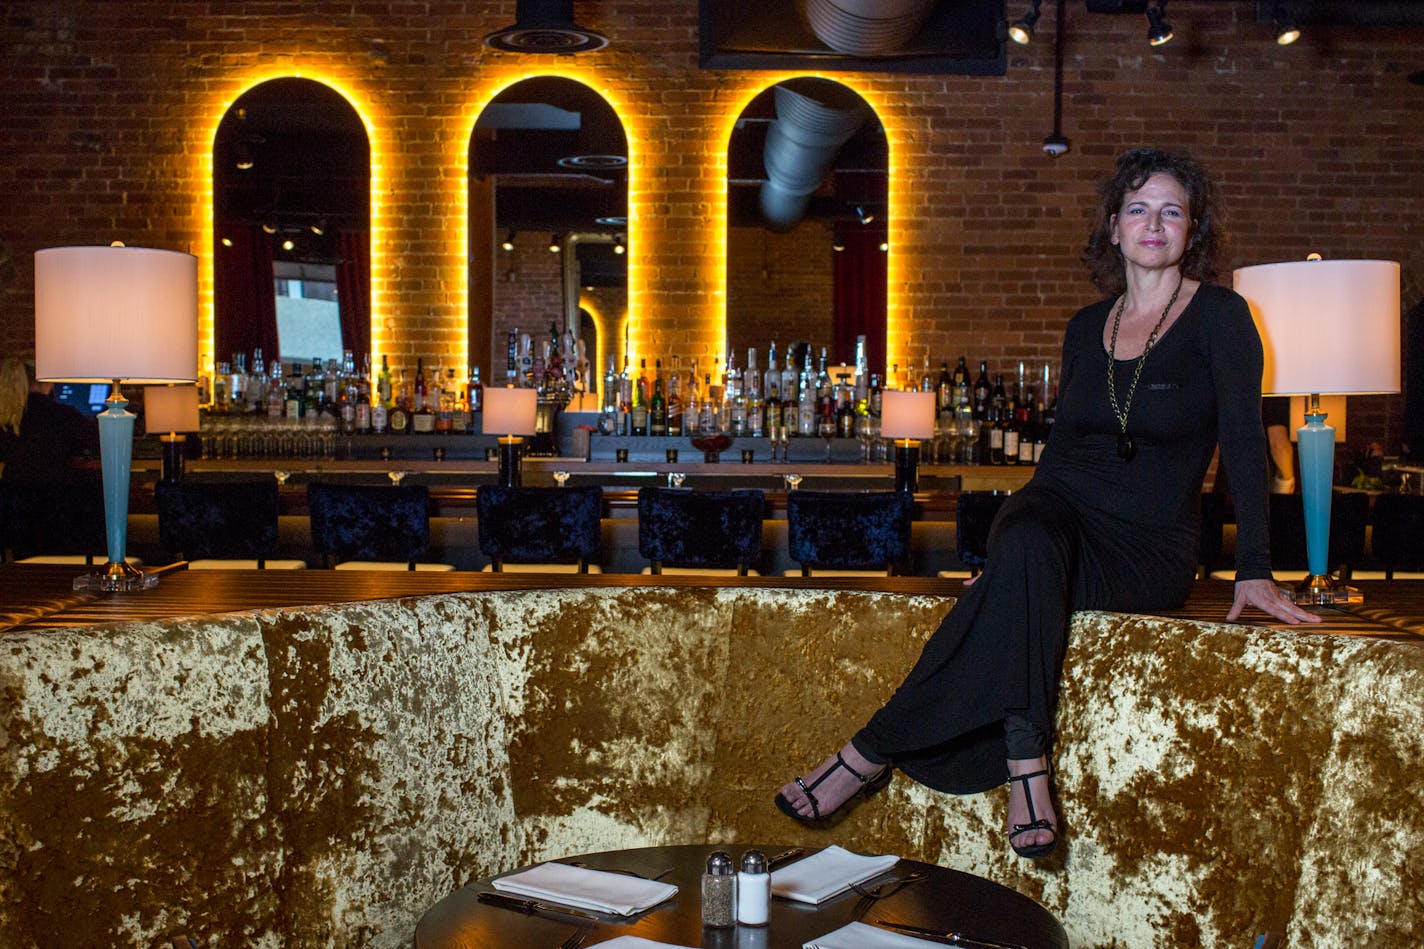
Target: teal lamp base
{"type": "Point", "coordinates": [1315, 442]}
{"type": "Point", "coordinates": [116, 453]}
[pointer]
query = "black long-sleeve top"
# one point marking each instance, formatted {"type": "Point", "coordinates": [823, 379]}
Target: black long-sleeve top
{"type": "Point", "coordinates": [1200, 386]}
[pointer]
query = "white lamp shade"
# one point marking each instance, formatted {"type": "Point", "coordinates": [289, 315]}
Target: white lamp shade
{"type": "Point", "coordinates": [509, 411]}
{"type": "Point", "coordinates": [907, 414]}
{"type": "Point", "coordinates": [106, 313]}
{"type": "Point", "coordinates": [1328, 326]}
{"type": "Point", "coordinates": [170, 409]}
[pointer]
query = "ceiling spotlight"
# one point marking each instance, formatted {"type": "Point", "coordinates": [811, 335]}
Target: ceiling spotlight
{"type": "Point", "coordinates": [885, 246]}
{"type": "Point", "coordinates": [1159, 31]}
{"type": "Point", "coordinates": [865, 218]}
{"type": "Point", "coordinates": [556, 243]}
{"type": "Point", "coordinates": [1286, 30]}
{"type": "Point", "coordinates": [508, 243]}
{"type": "Point", "coordinates": [288, 244]}
{"type": "Point", "coordinates": [1021, 30]}
{"type": "Point", "coordinates": [269, 227]}
{"type": "Point", "coordinates": [618, 246]}
{"type": "Point", "coordinates": [838, 245]}
{"type": "Point", "coordinates": [319, 228]}
{"type": "Point", "coordinates": [242, 156]}
{"type": "Point", "coordinates": [227, 241]}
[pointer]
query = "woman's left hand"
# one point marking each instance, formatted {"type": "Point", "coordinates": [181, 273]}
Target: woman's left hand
{"type": "Point", "coordinates": [1266, 596]}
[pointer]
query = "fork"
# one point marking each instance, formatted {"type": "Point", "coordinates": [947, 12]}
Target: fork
{"type": "Point", "coordinates": [632, 873]}
{"type": "Point", "coordinates": [575, 939]}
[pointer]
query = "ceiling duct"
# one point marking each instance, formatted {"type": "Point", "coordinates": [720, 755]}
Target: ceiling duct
{"type": "Point", "coordinates": [865, 27]}
{"type": "Point", "coordinates": [545, 26]}
{"type": "Point", "coordinates": [814, 118]}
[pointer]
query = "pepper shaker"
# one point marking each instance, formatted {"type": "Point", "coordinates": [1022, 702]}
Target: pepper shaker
{"type": "Point", "coordinates": [753, 890]}
{"type": "Point", "coordinates": [719, 891]}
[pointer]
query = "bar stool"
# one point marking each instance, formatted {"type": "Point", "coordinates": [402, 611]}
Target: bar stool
{"type": "Point", "coordinates": [849, 533]}
{"type": "Point", "coordinates": [366, 527]}
{"type": "Point", "coordinates": [718, 533]}
{"type": "Point", "coordinates": [221, 525]}
{"type": "Point", "coordinates": [540, 530]}
{"type": "Point", "coordinates": [1397, 537]}
{"type": "Point", "coordinates": [59, 522]}
{"type": "Point", "coordinates": [974, 513]}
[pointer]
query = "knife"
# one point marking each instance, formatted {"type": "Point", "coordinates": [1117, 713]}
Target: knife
{"type": "Point", "coordinates": [946, 937]}
{"type": "Point", "coordinates": [532, 906]}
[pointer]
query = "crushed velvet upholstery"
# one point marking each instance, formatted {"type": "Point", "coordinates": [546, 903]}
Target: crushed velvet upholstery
{"type": "Point", "coordinates": [54, 517]}
{"type": "Point", "coordinates": [1397, 537]}
{"type": "Point", "coordinates": [680, 527]}
{"type": "Point", "coordinates": [233, 520]}
{"type": "Point", "coordinates": [848, 530]}
{"type": "Point", "coordinates": [320, 776]}
{"type": "Point", "coordinates": [368, 522]}
{"type": "Point", "coordinates": [1349, 513]}
{"type": "Point", "coordinates": [539, 525]}
{"type": "Point", "coordinates": [974, 513]}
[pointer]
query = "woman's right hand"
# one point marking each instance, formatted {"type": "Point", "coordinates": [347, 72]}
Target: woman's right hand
{"type": "Point", "coordinates": [1266, 596]}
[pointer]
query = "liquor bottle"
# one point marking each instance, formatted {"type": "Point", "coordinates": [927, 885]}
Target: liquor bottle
{"type": "Point", "coordinates": [383, 383]}
{"type": "Point", "coordinates": [707, 414]}
{"type": "Point", "coordinates": [347, 393]}
{"type": "Point", "coordinates": [944, 389]}
{"type": "Point", "coordinates": [806, 402]}
{"type": "Point", "coordinates": [220, 388]}
{"type": "Point", "coordinates": [292, 404]}
{"type": "Point", "coordinates": [380, 416]}
{"type": "Point", "coordinates": [1011, 437]}
{"type": "Point", "coordinates": [420, 387]}
{"type": "Point", "coordinates": [476, 394]}
{"type": "Point", "coordinates": [625, 399]}
{"type": "Point", "coordinates": [675, 408]}
{"type": "Point", "coordinates": [772, 407]}
{"type": "Point", "coordinates": [331, 384]}
{"type": "Point", "coordinates": [638, 408]}
{"type": "Point", "coordinates": [751, 393]}
{"type": "Point", "coordinates": [845, 406]}
{"type": "Point", "coordinates": [995, 427]}
{"type": "Point", "coordinates": [876, 394]}
{"type": "Point", "coordinates": [511, 351]}
{"type": "Point", "coordinates": [983, 392]}
{"type": "Point", "coordinates": [257, 384]}
{"type": "Point", "coordinates": [773, 375]}
{"type": "Point", "coordinates": [657, 408]}
{"type": "Point", "coordinates": [237, 384]}
{"type": "Point", "coordinates": [205, 384]}
{"type": "Point", "coordinates": [961, 373]}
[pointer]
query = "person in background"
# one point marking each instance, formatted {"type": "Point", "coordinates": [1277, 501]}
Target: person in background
{"type": "Point", "coordinates": [1154, 376]}
{"type": "Point", "coordinates": [1275, 416]}
{"type": "Point", "coordinates": [39, 437]}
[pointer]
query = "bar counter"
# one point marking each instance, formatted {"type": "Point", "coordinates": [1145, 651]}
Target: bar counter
{"type": "Point", "coordinates": [38, 597]}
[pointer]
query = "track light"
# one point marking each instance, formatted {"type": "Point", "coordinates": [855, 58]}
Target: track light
{"type": "Point", "coordinates": [289, 244]}
{"type": "Point", "coordinates": [1159, 31]}
{"type": "Point", "coordinates": [319, 228]}
{"type": "Point", "coordinates": [1286, 30]}
{"type": "Point", "coordinates": [1021, 30]}
{"type": "Point", "coordinates": [242, 157]}
{"type": "Point", "coordinates": [556, 243]}
{"type": "Point", "coordinates": [838, 245]}
{"type": "Point", "coordinates": [269, 227]}
{"type": "Point", "coordinates": [865, 218]}
{"type": "Point", "coordinates": [619, 247]}
{"type": "Point", "coordinates": [508, 243]}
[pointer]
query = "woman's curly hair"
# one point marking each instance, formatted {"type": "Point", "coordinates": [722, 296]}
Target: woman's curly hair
{"type": "Point", "coordinates": [1202, 258]}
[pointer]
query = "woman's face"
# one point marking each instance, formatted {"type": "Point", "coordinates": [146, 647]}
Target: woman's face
{"type": "Point", "coordinates": [1153, 225]}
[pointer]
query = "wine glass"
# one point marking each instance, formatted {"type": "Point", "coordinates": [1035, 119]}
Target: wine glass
{"type": "Point", "coordinates": [395, 477]}
{"type": "Point", "coordinates": [281, 474]}
{"type": "Point", "coordinates": [826, 428]}
{"type": "Point", "coordinates": [676, 478]}
{"type": "Point", "coordinates": [866, 430]}
{"type": "Point", "coordinates": [560, 477]}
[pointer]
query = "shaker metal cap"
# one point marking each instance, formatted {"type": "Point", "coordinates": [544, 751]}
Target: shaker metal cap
{"type": "Point", "coordinates": [720, 864]}
{"type": "Point", "coordinates": [753, 861]}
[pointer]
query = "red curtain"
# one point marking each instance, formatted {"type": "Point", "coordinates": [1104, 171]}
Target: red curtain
{"type": "Point", "coordinates": [245, 295]}
{"type": "Point", "coordinates": [353, 290]}
{"type": "Point", "coordinates": [860, 290]}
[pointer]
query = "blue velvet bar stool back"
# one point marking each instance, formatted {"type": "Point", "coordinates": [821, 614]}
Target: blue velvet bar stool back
{"type": "Point", "coordinates": [849, 533]}
{"type": "Point", "coordinates": [540, 530]}
{"type": "Point", "coordinates": [974, 513]}
{"type": "Point", "coordinates": [58, 522]}
{"type": "Point", "coordinates": [368, 527]}
{"type": "Point", "coordinates": [682, 531]}
{"type": "Point", "coordinates": [1397, 535]}
{"type": "Point", "coordinates": [221, 525]}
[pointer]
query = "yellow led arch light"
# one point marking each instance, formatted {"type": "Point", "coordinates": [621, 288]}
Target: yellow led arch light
{"type": "Point", "coordinates": [217, 107]}
{"type": "Point", "coordinates": [457, 192]}
{"type": "Point", "coordinates": [718, 196]}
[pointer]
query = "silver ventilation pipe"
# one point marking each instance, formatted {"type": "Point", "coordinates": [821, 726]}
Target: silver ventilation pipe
{"type": "Point", "coordinates": [814, 118]}
{"type": "Point", "coordinates": [865, 27]}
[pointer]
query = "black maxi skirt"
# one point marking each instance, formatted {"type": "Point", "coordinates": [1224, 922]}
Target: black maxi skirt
{"type": "Point", "coordinates": [1000, 649]}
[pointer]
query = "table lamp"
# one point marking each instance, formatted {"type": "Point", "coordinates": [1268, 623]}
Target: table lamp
{"type": "Point", "coordinates": [1328, 327]}
{"type": "Point", "coordinates": [116, 314]}
{"type": "Point", "coordinates": [171, 409]}
{"type": "Point", "coordinates": [907, 417]}
{"type": "Point", "coordinates": [510, 413]}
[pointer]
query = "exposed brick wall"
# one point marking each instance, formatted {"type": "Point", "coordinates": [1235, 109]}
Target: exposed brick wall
{"type": "Point", "coordinates": [107, 112]}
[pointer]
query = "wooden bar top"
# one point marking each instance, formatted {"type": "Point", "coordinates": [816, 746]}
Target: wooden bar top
{"type": "Point", "coordinates": [38, 597]}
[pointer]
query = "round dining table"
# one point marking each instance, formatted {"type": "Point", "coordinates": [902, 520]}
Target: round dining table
{"type": "Point", "coordinates": [962, 909]}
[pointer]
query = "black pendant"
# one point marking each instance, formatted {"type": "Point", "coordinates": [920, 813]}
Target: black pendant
{"type": "Point", "coordinates": [1125, 447]}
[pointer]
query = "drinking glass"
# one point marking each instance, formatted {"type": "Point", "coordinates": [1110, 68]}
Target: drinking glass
{"type": "Point", "coordinates": [866, 429]}
{"type": "Point", "coordinates": [560, 477]}
{"type": "Point", "coordinates": [395, 477]}
{"type": "Point", "coordinates": [793, 481]}
{"type": "Point", "coordinates": [826, 428]}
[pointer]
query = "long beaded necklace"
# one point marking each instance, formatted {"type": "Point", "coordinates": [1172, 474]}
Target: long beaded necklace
{"type": "Point", "coordinates": [1125, 446]}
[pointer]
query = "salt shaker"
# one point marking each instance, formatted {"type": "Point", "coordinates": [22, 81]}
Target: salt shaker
{"type": "Point", "coordinates": [753, 890]}
{"type": "Point", "coordinates": [719, 891]}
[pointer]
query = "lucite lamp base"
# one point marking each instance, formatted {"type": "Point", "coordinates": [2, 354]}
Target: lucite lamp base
{"type": "Point", "coordinates": [116, 578]}
{"type": "Point", "coordinates": [1323, 590]}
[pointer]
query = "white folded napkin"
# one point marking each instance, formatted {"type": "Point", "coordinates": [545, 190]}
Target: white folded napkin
{"type": "Point", "coordinates": [822, 875]}
{"type": "Point", "coordinates": [861, 936]}
{"type": "Point", "coordinates": [598, 890]}
{"type": "Point", "coordinates": [638, 942]}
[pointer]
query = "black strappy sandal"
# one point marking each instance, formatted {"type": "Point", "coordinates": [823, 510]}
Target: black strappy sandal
{"type": "Point", "coordinates": [869, 784]}
{"type": "Point", "coordinates": [1034, 822]}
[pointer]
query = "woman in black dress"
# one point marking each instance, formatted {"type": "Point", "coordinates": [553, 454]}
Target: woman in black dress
{"type": "Point", "coordinates": [1153, 378]}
